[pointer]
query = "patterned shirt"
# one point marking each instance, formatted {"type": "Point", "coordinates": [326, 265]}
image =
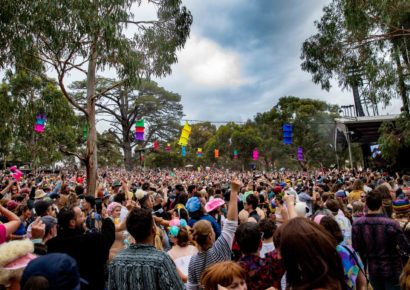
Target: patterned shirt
{"type": "Point", "coordinates": [376, 238]}
{"type": "Point", "coordinates": [263, 273]}
{"type": "Point", "coordinates": [143, 267]}
{"type": "Point", "coordinates": [352, 265]}
{"type": "Point", "coordinates": [220, 251]}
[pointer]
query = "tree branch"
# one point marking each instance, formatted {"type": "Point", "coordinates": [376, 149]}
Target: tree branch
{"type": "Point", "coordinates": [71, 153]}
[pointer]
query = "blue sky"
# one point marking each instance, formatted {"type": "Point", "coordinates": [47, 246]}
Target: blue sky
{"type": "Point", "coordinates": [243, 55]}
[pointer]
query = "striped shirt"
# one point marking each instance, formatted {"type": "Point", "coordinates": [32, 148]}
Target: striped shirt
{"type": "Point", "coordinates": [142, 266]}
{"type": "Point", "coordinates": [219, 252]}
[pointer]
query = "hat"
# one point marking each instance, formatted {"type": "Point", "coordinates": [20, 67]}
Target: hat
{"type": "Point", "coordinates": [193, 204]}
{"type": "Point", "coordinates": [63, 275]}
{"type": "Point", "coordinates": [283, 184]}
{"type": "Point", "coordinates": [11, 205]}
{"type": "Point", "coordinates": [140, 194]}
{"type": "Point", "coordinates": [49, 222]}
{"type": "Point", "coordinates": [14, 256]}
{"type": "Point", "coordinates": [341, 193]}
{"type": "Point", "coordinates": [214, 204]}
{"type": "Point", "coordinates": [112, 206]}
{"type": "Point", "coordinates": [39, 194]}
{"type": "Point", "coordinates": [301, 209]}
{"type": "Point", "coordinates": [278, 189]}
{"type": "Point", "coordinates": [116, 183]}
{"type": "Point", "coordinates": [106, 194]}
{"type": "Point", "coordinates": [401, 205]}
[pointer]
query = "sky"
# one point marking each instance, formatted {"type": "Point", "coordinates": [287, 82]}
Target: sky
{"type": "Point", "coordinates": [243, 55]}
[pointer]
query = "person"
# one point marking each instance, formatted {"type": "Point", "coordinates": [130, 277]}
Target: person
{"type": "Point", "coordinates": [357, 191]}
{"type": "Point", "coordinates": [12, 224]}
{"type": "Point", "coordinates": [262, 273]}
{"type": "Point", "coordinates": [405, 276]}
{"type": "Point", "coordinates": [213, 208]}
{"type": "Point", "coordinates": [114, 212]}
{"type": "Point", "coordinates": [92, 219]}
{"type": "Point", "coordinates": [181, 251]}
{"type": "Point", "coordinates": [227, 274]}
{"type": "Point", "coordinates": [197, 213]}
{"type": "Point", "coordinates": [63, 275]}
{"type": "Point", "coordinates": [344, 223]}
{"type": "Point", "coordinates": [14, 257]}
{"type": "Point", "coordinates": [309, 255]}
{"type": "Point", "coordinates": [90, 250]}
{"type": "Point", "coordinates": [267, 228]}
{"type": "Point", "coordinates": [211, 251]}
{"type": "Point", "coordinates": [377, 239]}
{"type": "Point", "coordinates": [141, 266]}
{"type": "Point", "coordinates": [250, 204]}
{"type": "Point", "coordinates": [355, 276]}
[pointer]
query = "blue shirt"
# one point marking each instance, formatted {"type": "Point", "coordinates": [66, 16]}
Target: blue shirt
{"type": "Point", "coordinates": [215, 225]}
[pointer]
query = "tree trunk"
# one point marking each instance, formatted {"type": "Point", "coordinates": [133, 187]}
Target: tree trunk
{"type": "Point", "coordinates": [129, 164]}
{"type": "Point", "coordinates": [91, 155]}
{"type": "Point", "coordinates": [402, 84]}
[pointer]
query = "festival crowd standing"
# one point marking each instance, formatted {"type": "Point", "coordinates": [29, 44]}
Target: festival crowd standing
{"type": "Point", "coordinates": [209, 229]}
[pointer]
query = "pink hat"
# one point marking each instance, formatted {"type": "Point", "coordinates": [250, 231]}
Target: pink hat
{"type": "Point", "coordinates": [112, 206]}
{"type": "Point", "coordinates": [174, 222]}
{"type": "Point", "coordinates": [214, 204]}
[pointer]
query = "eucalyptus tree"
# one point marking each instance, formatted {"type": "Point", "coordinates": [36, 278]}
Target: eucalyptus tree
{"type": "Point", "coordinates": [85, 37]}
{"type": "Point", "coordinates": [123, 105]}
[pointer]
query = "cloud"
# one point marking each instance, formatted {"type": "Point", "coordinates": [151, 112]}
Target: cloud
{"type": "Point", "coordinates": [206, 63]}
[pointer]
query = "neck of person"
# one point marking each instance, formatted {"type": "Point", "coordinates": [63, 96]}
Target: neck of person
{"type": "Point", "coordinates": [378, 211]}
{"type": "Point", "coordinates": [268, 241]}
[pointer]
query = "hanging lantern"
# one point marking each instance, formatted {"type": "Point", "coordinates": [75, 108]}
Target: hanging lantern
{"type": "Point", "coordinates": [235, 154]}
{"type": "Point", "coordinates": [40, 123]}
{"type": "Point", "coordinates": [255, 154]}
{"type": "Point", "coordinates": [287, 134]}
{"type": "Point", "coordinates": [85, 133]}
{"type": "Point", "coordinates": [168, 148]}
{"type": "Point", "coordinates": [300, 154]}
{"type": "Point", "coordinates": [186, 131]}
{"type": "Point", "coordinates": [139, 130]}
{"type": "Point", "coordinates": [199, 152]}
{"type": "Point", "coordinates": [183, 151]}
{"type": "Point", "coordinates": [216, 153]}
{"type": "Point", "coordinates": [156, 146]}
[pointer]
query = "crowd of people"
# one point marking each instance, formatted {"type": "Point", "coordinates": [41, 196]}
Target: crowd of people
{"type": "Point", "coordinates": [205, 229]}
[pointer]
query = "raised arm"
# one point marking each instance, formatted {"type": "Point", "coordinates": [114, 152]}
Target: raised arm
{"type": "Point", "coordinates": [13, 220]}
{"type": "Point", "coordinates": [233, 201]}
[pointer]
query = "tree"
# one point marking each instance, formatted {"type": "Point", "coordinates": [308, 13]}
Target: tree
{"type": "Point", "coordinates": [25, 96]}
{"type": "Point", "coordinates": [348, 48]}
{"type": "Point", "coordinates": [123, 105]}
{"type": "Point", "coordinates": [109, 153]}
{"type": "Point", "coordinates": [88, 36]}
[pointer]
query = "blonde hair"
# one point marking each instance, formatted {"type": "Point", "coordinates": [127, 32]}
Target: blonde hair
{"type": "Point", "coordinates": [221, 274]}
{"type": "Point", "coordinates": [200, 233]}
{"type": "Point", "coordinates": [405, 276]}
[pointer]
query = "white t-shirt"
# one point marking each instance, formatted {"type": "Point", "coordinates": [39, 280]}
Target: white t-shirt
{"type": "Point", "coordinates": [266, 248]}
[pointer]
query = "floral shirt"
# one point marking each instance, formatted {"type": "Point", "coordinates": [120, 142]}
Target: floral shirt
{"type": "Point", "coordinates": [351, 265]}
{"type": "Point", "coordinates": [263, 273]}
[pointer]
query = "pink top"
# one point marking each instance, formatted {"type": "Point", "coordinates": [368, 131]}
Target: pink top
{"type": "Point", "coordinates": [3, 233]}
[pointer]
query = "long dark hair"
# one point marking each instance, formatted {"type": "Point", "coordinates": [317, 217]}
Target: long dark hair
{"type": "Point", "coordinates": [309, 255]}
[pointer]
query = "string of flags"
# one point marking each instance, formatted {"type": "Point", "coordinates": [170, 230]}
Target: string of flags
{"type": "Point", "coordinates": [40, 123]}
{"type": "Point", "coordinates": [139, 130]}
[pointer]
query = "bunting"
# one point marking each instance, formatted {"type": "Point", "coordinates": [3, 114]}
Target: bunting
{"type": "Point", "coordinates": [186, 131]}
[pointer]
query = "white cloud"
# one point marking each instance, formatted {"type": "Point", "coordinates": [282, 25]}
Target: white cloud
{"type": "Point", "coordinates": [206, 63]}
